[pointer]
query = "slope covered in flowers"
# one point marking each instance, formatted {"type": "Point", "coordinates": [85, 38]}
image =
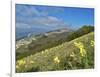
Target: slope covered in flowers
{"type": "Point", "coordinates": [76, 54]}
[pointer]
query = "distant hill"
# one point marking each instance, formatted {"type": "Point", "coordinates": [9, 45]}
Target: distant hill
{"type": "Point", "coordinates": [35, 43]}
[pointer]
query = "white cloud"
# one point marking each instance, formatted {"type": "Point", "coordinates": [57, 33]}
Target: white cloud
{"type": "Point", "coordinates": [48, 21]}
{"type": "Point", "coordinates": [28, 11]}
{"type": "Point", "coordinates": [23, 26]}
{"type": "Point", "coordinates": [28, 16]}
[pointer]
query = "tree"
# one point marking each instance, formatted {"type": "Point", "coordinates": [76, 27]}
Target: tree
{"type": "Point", "coordinates": [81, 31]}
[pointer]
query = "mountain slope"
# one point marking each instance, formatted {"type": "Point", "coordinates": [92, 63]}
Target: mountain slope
{"type": "Point", "coordinates": [33, 44]}
{"type": "Point", "coordinates": [62, 57]}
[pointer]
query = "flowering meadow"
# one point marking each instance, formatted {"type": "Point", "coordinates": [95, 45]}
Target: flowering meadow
{"type": "Point", "coordinates": [72, 55]}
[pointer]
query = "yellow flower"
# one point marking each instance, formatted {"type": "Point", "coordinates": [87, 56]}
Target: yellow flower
{"type": "Point", "coordinates": [81, 47]}
{"type": "Point", "coordinates": [43, 52]}
{"type": "Point", "coordinates": [21, 62]}
{"type": "Point", "coordinates": [31, 62]}
{"type": "Point", "coordinates": [82, 52]}
{"type": "Point", "coordinates": [46, 50]}
{"type": "Point", "coordinates": [92, 43]}
{"type": "Point", "coordinates": [17, 67]}
{"type": "Point", "coordinates": [56, 60]}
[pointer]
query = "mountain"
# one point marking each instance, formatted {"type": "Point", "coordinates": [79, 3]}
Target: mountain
{"type": "Point", "coordinates": [22, 33]}
{"type": "Point", "coordinates": [67, 54]}
{"type": "Point", "coordinates": [36, 43]}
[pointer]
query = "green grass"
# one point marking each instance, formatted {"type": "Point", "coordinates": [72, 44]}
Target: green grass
{"type": "Point", "coordinates": [44, 60]}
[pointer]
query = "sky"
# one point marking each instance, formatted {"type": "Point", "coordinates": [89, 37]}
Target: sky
{"type": "Point", "coordinates": [28, 16]}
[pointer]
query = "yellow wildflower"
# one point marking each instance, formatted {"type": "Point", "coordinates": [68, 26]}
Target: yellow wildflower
{"type": "Point", "coordinates": [17, 67]}
{"type": "Point", "coordinates": [82, 52]}
{"type": "Point", "coordinates": [21, 62]}
{"type": "Point", "coordinates": [92, 43]}
{"type": "Point", "coordinates": [31, 62]}
{"type": "Point", "coordinates": [46, 50]}
{"type": "Point", "coordinates": [43, 52]}
{"type": "Point", "coordinates": [81, 47]}
{"type": "Point", "coordinates": [56, 60]}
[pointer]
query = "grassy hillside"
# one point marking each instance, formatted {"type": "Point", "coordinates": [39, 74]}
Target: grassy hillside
{"type": "Point", "coordinates": [76, 54]}
{"type": "Point", "coordinates": [32, 45]}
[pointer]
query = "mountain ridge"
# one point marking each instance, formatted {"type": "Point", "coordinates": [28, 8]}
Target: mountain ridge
{"type": "Point", "coordinates": [39, 42]}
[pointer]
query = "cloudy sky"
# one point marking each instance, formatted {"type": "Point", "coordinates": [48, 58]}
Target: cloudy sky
{"type": "Point", "coordinates": [28, 16]}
